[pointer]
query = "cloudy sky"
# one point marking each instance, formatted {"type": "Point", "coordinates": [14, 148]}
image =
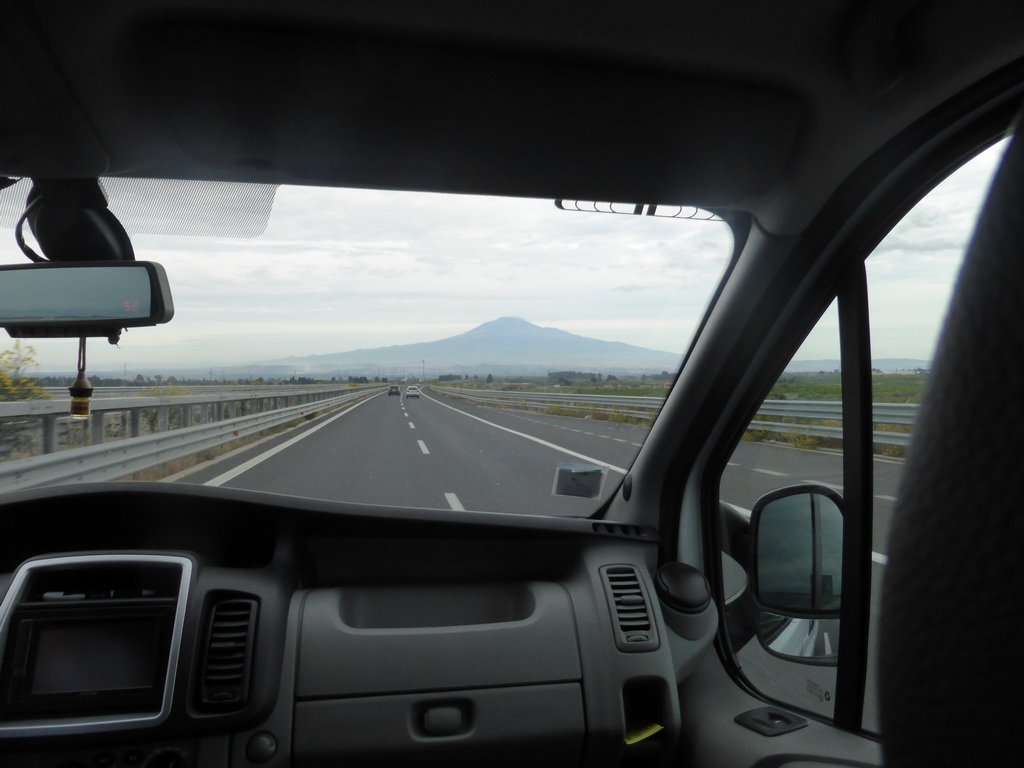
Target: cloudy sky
{"type": "Point", "coordinates": [343, 269]}
{"type": "Point", "coordinates": [912, 271]}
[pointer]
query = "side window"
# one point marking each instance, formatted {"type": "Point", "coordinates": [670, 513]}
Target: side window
{"type": "Point", "coordinates": [795, 438]}
{"type": "Point", "coordinates": [911, 276]}
{"type": "Point", "coordinates": [790, 654]}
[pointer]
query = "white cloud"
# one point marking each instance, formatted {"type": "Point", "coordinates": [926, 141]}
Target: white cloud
{"type": "Point", "coordinates": [342, 269]}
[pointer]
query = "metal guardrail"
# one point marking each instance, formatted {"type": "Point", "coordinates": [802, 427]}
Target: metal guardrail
{"type": "Point", "coordinates": [224, 402]}
{"type": "Point", "coordinates": [901, 414]}
{"type": "Point", "coordinates": [109, 461]}
{"type": "Point", "coordinates": [134, 390]}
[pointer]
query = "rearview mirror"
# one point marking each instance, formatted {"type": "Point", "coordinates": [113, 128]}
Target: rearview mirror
{"type": "Point", "coordinates": [797, 566]}
{"type": "Point", "coordinates": [89, 298]}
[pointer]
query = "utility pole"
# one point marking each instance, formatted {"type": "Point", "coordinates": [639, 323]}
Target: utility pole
{"type": "Point", "coordinates": [424, 362]}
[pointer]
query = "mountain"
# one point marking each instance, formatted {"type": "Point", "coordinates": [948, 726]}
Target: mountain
{"type": "Point", "coordinates": [506, 345]}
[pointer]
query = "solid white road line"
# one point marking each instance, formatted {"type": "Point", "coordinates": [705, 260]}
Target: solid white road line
{"type": "Point", "coordinates": [454, 503]}
{"type": "Point", "coordinates": [423, 446]}
{"type": "Point", "coordinates": [231, 474]}
{"type": "Point", "coordinates": [545, 443]}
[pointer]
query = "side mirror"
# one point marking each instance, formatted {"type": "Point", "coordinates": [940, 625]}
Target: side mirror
{"type": "Point", "coordinates": [796, 572]}
{"type": "Point", "coordinates": [72, 299]}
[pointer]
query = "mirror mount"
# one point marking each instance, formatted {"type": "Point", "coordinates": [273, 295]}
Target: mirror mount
{"type": "Point", "coordinates": [72, 223]}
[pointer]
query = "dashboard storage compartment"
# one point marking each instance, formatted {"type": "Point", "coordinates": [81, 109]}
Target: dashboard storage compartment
{"type": "Point", "coordinates": [531, 639]}
{"type": "Point", "coordinates": [439, 675]}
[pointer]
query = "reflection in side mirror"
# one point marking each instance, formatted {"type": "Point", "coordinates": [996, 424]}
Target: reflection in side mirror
{"type": "Point", "coordinates": [797, 567]}
{"type": "Point", "coordinates": [74, 299]}
{"type": "Point", "coordinates": [814, 640]}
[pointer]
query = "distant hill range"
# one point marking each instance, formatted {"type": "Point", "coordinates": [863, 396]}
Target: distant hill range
{"type": "Point", "coordinates": [885, 364]}
{"type": "Point", "coordinates": [506, 346]}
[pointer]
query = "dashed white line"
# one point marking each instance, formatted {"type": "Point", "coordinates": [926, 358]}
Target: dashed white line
{"type": "Point", "coordinates": [454, 503]}
{"type": "Point", "coordinates": [411, 425]}
{"type": "Point", "coordinates": [883, 497]}
{"type": "Point", "coordinates": [423, 446]}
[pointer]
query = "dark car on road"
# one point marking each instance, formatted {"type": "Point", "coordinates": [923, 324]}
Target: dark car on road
{"type": "Point", "coordinates": [394, 389]}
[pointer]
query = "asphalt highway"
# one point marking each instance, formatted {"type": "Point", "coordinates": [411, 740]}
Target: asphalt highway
{"type": "Point", "coordinates": [439, 452]}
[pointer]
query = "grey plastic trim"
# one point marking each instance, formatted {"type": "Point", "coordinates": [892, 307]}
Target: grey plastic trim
{"type": "Point", "coordinates": [98, 724]}
{"type": "Point", "coordinates": [542, 726]}
{"type": "Point", "coordinates": [337, 659]}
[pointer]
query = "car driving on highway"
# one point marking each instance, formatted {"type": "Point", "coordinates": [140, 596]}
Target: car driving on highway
{"type": "Point", "coordinates": [701, 480]}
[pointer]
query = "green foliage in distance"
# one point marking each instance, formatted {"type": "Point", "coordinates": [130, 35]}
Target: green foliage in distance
{"type": "Point", "coordinates": [14, 383]}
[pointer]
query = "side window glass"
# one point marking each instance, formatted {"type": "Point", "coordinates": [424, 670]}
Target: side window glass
{"type": "Point", "coordinates": [795, 438]}
{"type": "Point", "coordinates": [911, 275]}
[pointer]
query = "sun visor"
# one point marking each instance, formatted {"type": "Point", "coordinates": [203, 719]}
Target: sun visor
{"type": "Point", "coordinates": [348, 109]}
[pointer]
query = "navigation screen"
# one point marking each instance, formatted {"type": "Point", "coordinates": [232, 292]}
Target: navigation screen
{"type": "Point", "coordinates": [89, 657]}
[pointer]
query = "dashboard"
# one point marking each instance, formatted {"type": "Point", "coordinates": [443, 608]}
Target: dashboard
{"type": "Point", "coordinates": [189, 627]}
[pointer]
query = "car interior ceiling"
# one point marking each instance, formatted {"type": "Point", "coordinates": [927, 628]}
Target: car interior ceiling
{"type": "Point", "coordinates": [181, 93]}
{"type": "Point", "coordinates": [594, 102]}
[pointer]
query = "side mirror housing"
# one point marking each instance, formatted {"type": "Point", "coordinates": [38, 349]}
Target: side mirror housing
{"type": "Point", "coordinates": [796, 572]}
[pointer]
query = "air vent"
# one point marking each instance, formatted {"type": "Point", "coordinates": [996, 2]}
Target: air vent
{"type": "Point", "coordinates": [224, 682]}
{"type": "Point", "coordinates": [620, 529]}
{"type": "Point", "coordinates": [630, 609]}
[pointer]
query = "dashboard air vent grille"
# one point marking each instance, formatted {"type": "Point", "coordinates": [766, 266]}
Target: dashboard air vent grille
{"type": "Point", "coordinates": [228, 657]}
{"type": "Point", "coordinates": [621, 529]}
{"type": "Point", "coordinates": [630, 608]}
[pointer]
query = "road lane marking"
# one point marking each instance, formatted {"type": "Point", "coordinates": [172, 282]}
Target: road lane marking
{"type": "Point", "coordinates": [231, 474]}
{"type": "Point", "coordinates": [537, 440]}
{"type": "Point", "coordinates": [423, 446]}
{"type": "Point", "coordinates": [885, 498]}
{"type": "Point", "coordinates": [769, 472]}
{"type": "Point", "coordinates": [411, 425]}
{"type": "Point", "coordinates": [454, 503]}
